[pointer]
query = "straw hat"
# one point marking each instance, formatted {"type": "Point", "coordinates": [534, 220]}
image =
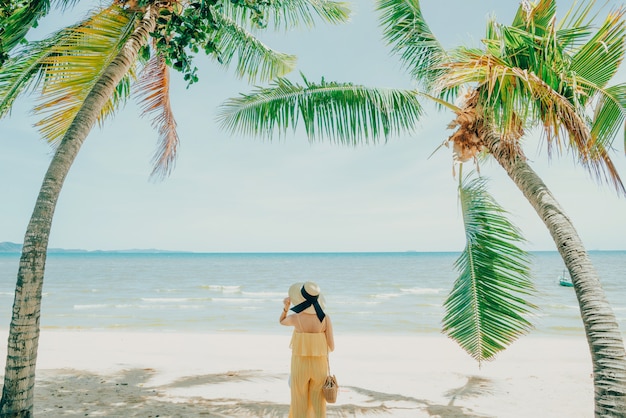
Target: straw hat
{"type": "Point", "coordinates": [312, 289]}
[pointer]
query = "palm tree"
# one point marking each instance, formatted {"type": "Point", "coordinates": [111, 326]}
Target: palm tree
{"type": "Point", "coordinates": [84, 72]}
{"type": "Point", "coordinates": [536, 72]}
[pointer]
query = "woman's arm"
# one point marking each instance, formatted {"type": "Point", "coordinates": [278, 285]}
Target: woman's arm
{"type": "Point", "coordinates": [330, 338]}
{"type": "Point", "coordinates": [283, 315]}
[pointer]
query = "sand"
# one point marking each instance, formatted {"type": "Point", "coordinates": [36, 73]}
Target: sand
{"type": "Point", "coordinates": [125, 374]}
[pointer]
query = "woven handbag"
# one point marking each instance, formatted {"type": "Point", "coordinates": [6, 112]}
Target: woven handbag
{"type": "Point", "coordinates": [330, 389]}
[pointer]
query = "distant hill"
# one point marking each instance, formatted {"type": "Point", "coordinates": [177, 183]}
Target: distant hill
{"type": "Point", "coordinates": [12, 247]}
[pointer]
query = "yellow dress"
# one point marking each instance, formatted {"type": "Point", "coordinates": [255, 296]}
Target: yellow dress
{"type": "Point", "coordinates": [309, 368]}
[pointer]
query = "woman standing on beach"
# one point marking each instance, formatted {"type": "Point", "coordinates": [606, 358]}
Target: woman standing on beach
{"type": "Point", "coordinates": [311, 341]}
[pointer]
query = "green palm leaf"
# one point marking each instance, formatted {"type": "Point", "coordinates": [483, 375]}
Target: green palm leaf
{"type": "Point", "coordinates": [599, 58]}
{"type": "Point", "coordinates": [24, 73]}
{"type": "Point", "coordinates": [15, 25]}
{"type": "Point", "coordinates": [486, 310]}
{"type": "Point", "coordinates": [342, 112]}
{"type": "Point", "coordinates": [73, 66]}
{"type": "Point", "coordinates": [529, 74]}
{"type": "Point", "coordinates": [39, 65]}
{"type": "Point", "coordinates": [255, 60]}
{"type": "Point", "coordinates": [512, 94]}
{"type": "Point", "coordinates": [64, 67]}
{"type": "Point", "coordinates": [405, 29]}
{"type": "Point", "coordinates": [536, 18]}
{"type": "Point", "coordinates": [288, 14]}
{"type": "Point", "coordinates": [610, 115]}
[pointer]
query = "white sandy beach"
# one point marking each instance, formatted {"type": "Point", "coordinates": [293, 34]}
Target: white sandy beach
{"type": "Point", "coordinates": [124, 374]}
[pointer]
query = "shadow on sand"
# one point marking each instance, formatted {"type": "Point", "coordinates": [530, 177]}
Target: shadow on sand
{"type": "Point", "coordinates": [129, 393]}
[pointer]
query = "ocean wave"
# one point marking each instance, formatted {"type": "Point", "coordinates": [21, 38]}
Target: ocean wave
{"type": "Point", "coordinates": [422, 291]}
{"type": "Point", "coordinates": [167, 290]}
{"type": "Point", "coordinates": [170, 307]}
{"type": "Point", "coordinates": [357, 302]}
{"type": "Point", "coordinates": [560, 329]}
{"type": "Point", "coordinates": [167, 300]}
{"type": "Point", "coordinates": [235, 300]}
{"type": "Point", "coordinates": [175, 300]}
{"type": "Point", "coordinates": [429, 305]}
{"type": "Point", "coordinates": [559, 306]}
{"type": "Point", "coordinates": [222, 288]}
{"type": "Point", "coordinates": [409, 291]}
{"type": "Point", "coordinates": [92, 290]}
{"type": "Point", "coordinates": [92, 306]}
{"type": "Point", "coordinates": [385, 295]}
{"type": "Point", "coordinates": [164, 304]}
{"type": "Point", "coordinates": [279, 295]}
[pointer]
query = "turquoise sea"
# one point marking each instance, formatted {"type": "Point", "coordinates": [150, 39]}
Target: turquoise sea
{"type": "Point", "coordinates": [395, 293]}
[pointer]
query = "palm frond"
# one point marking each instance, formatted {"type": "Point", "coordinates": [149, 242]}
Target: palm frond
{"type": "Point", "coordinates": [537, 54]}
{"type": "Point", "coordinates": [486, 310]}
{"type": "Point", "coordinates": [512, 94]}
{"type": "Point", "coordinates": [572, 38]}
{"type": "Point", "coordinates": [21, 19]}
{"type": "Point", "coordinates": [153, 89]}
{"type": "Point", "coordinates": [598, 60]}
{"type": "Point", "coordinates": [580, 16]}
{"type": "Point", "coordinates": [553, 73]}
{"type": "Point", "coordinates": [604, 170]}
{"type": "Point", "coordinates": [577, 25]}
{"type": "Point", "coordinates": [608, 119]}
{"type": "Point", "coordinates": [521, 16]}
{"type": "Point", "coordinates": [289, 14]}
{"type": "Point", "coordinates": [405, 29]}
{"type": "Point", "coordinates": [610, 115]}
{"type": "Point", "coordinates": [15, 26]}
{"type": "Point", "coordinates": [24, 72]}
{"type": "Point", "coordinates": [255, 60]}
{"type": "Point", "coordinates": [74, 64]}
{"type": "Point", "coordinates": [536, 18]}
{"type": "Point", "coordinates": [342, 112]}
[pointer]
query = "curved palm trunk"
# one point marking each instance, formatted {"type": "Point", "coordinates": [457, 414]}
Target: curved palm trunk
{"type": "Point", "coordinates": [19, 378]}
{"type": "Point", "coordinates": [601, 328]}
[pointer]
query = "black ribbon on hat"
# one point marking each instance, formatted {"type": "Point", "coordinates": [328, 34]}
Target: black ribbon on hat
{"type": "Point", "coordinates": [308, 301]}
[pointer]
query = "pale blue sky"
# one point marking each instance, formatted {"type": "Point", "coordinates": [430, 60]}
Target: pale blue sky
{"type": "Point", "coordinates": [230, 194]}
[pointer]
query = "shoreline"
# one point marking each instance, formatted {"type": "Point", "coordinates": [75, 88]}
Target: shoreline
{"type": "Point", "coordinates": [108, 373]}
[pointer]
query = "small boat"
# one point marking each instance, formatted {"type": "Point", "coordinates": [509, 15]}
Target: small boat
{"type": "Point", "coordinates": [564, 280]}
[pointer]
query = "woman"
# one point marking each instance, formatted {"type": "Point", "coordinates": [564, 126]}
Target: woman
{"type": "Point", "coordinates": [311, 341]}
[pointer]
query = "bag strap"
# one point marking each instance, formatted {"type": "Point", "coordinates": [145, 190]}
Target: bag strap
{"type": "Point", "coordinates": [328, 358]}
